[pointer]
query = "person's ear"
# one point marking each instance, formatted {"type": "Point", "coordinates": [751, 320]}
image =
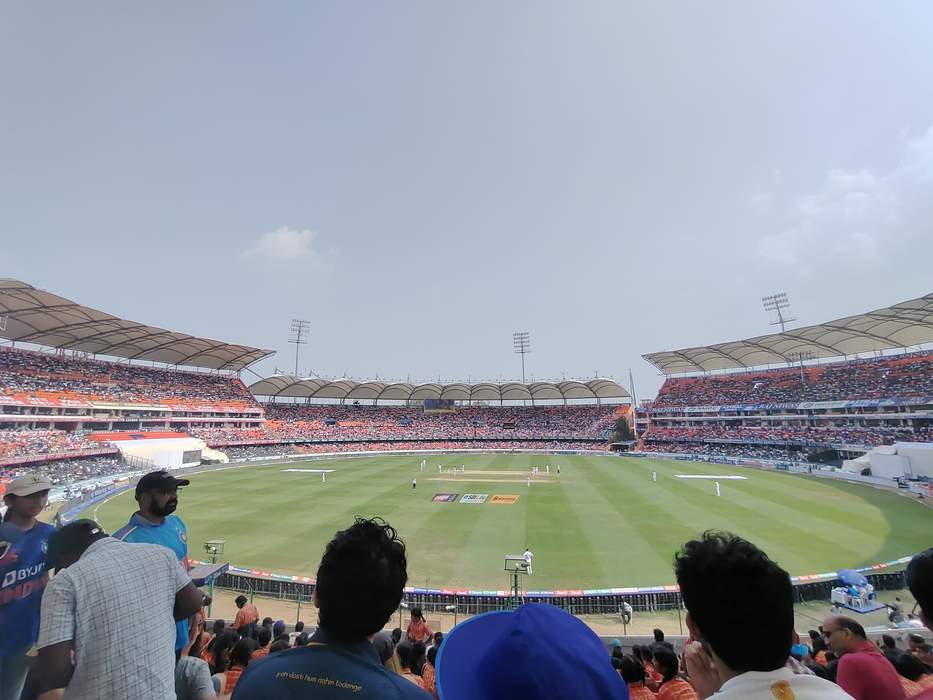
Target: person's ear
{"type": "Point", "coordinates": [695, 632]}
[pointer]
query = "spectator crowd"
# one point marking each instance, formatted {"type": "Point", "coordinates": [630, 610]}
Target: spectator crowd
{"type": "Point", "coordinates": [379, 423]}
{"type": "Point", "coordinates": [903, 376]}
{"type": "Point", "coordinates": [23, 443]}
{"type": "Point", "coordinates": [254, 451]}
{"type": "Point", "coordinates": [24, 372]}
{"type": "Point", "coordinates": [804, 436]}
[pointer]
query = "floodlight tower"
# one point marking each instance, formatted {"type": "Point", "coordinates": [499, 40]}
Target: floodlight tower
{"type": "Point", "coordinates": [777, 303]}
{"type": "Point", "coordinates": [800, 358]}
{"type": "Point", "coordinates": [298, 334]}
{"type": "Point", "coordinates": [521, 344]}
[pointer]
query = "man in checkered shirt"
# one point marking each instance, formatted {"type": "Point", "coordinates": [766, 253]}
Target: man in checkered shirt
{"type": "Point", "coordinates": [103, 587]}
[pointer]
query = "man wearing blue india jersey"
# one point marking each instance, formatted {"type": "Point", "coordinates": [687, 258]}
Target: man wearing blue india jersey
{"type": "Point", "coordinates": [153, 523]}
{"type": "Point", "coordinates": [23, 575]}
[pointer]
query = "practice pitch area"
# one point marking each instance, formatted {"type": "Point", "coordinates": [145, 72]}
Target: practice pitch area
{"type": "Point", "coordinates": [602, 522]}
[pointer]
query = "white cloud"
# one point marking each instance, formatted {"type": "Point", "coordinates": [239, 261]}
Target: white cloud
{"type": "Point", "coordinates": [761, 202]}
{"type": "Point", "coordinates": [856, 215]}
{"type": "Point", "coordinates": [283, 244]}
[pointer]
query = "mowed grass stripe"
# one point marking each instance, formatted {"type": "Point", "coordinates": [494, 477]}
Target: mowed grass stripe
{"type": "Point", "coordinates": [602, 523]}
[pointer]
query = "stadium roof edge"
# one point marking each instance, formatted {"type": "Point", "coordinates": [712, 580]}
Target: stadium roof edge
{"type": "Point", "coordinates": [32, 315]}
{"type": "Point", "coordinates": [317, 388]}
{"type": "Point", "coordinates": [908, 323]}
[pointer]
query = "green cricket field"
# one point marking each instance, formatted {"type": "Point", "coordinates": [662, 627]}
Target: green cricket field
{"type": "Point", "coordinates": [602, 522]}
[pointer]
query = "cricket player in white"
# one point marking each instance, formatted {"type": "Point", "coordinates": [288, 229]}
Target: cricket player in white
{"type": "Point", "coordinates": [414, 483]}
{"type": "Point", "coordinates": [547, 467]}
{"type": "Point", "coordinates": [529, 481]}
{"type": "Point", "coordinates": [558, 470]}
{"type": "Point", "coordinates": [717, 488]}
{"type": "Point", "coordinates": [528, 556]}
{"type": "Point", "coordinates": [654, 476]}
{"type": "Point", "coordinates": [323, 476]}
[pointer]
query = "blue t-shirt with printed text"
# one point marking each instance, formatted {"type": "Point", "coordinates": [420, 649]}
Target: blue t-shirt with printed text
{"type": "Point", "coordinates": [171, 533]}
{"type": "Point", "coordinates": [23, 575]}
{"type": "Point", "coordinates": [325, 669]}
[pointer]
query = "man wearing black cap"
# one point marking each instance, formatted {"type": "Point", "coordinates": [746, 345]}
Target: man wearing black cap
{"type": "Point", "coordinates": [154, 523]}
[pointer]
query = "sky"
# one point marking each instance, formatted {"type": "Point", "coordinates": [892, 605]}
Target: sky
{"type": "Point", "coordinates": [419, 179]}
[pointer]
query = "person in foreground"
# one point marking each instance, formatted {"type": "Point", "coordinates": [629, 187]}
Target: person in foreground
{"type": "Point", "coordinates": [359, 585]}
{"type": "Point", "coordinates": [863, 672]}
{"type": "Point", "coordinates": [102, 588]}
{"type": "Point", "coordinates": [535, 652]}
{"type": "Point", "coordinates": [920, 583]}
{"type": "Point", "coordinates": [23, 573]}
{"type": "Point", "coordinates": [731, 588]}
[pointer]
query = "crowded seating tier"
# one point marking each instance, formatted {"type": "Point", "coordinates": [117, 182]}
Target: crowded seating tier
{"type": "Point", "coordinates": [904, 376]}
{"type": "Point", "coordinates": [38, 375]}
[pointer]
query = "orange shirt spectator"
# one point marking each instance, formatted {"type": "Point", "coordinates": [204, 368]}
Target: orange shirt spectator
{"type": "Point", "coordinates": [231, 676]}
{"type": "Point", "coordinates": [418, 630]}
{"type": "Point", "coordinates": [428, 674]}
{"type": "Point", "coordinates": [246, 615]}
{"type": "Point", "coordinates": [677, 689]}
{"type": "Point", "coordinates": [639, 691]}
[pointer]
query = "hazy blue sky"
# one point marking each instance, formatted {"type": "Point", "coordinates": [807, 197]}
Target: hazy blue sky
{"type": "Point", "coordinates": [420, 179]}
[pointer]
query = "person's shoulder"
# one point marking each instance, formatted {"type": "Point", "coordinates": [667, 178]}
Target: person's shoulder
{"type": "Point", "coordinates": [124, 532]}
{"type": "Point", "coordinates": [819, 687]}
{"type": "Point", "coordinates": [44, 530]}
{"type": "Point", "coordinates": [176, 522]}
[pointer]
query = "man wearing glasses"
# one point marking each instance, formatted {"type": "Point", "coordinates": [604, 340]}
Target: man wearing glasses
{"type": "Point", "coordinates": [863, 671]}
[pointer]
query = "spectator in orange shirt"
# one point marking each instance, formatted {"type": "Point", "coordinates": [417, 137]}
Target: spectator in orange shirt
{"type": "Point", "coordinates": [265, 640]}
{"type": "Point", "coordinates": [428, 673]}
{"type": "Point", "coordinates": [239, 660]}
{"type": "Point", "coordinates": [246, 618]}
{"type": "Point", "coordinates": [418, 630]}
{"type": "Point", "coordinates": [406, 660]}
{"type": "Point", "coordinates": [673, 687]}
{"type": "Point", "coordinates": [634, 675]}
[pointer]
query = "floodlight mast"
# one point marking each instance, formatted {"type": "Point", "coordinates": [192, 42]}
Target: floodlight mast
{"type": "Point", "coordinates": [800, 358]}
{"type": "Point", "coordinates": [299, 331]}
{"type": "Point", "coordinates": [777, 303]}
{"type": "Point", "coordinates": [521, 344]}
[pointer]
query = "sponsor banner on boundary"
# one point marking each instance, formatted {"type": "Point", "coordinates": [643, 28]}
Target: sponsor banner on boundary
{"type": "Point", "coordinates": [474, 498]}
{"type": "Point", "coordinates": [445, 497]}
{"type": "Point", "coordinates": [504, 498]}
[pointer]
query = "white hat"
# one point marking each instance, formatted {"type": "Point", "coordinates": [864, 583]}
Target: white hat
{"type": "Point", "coordinates": [28, 484]}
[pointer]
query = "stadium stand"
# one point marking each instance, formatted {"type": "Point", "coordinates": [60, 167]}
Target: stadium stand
{"type": "Point", "coordinates": [844, 406]}
{"type": "Point", "coordinates": [250, 451]}
{"type": "Point", "coordinates": [43, 390]}
{"type": "Point", "coordinates": [901, 377]}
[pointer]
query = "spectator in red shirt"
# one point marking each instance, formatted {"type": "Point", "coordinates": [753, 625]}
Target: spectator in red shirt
{"type": "Point", "coordinates": [418, 630]}
{"type": "Point", "coordinates": [863, 672]}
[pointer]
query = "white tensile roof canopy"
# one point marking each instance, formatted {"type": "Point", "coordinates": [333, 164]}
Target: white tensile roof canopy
{"type": "Point", "coordinates": [348, 389]}
{"type": "Point", "coordinates": [903, 325]}
{"type": "Point", "coordinates": [35, 316]}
